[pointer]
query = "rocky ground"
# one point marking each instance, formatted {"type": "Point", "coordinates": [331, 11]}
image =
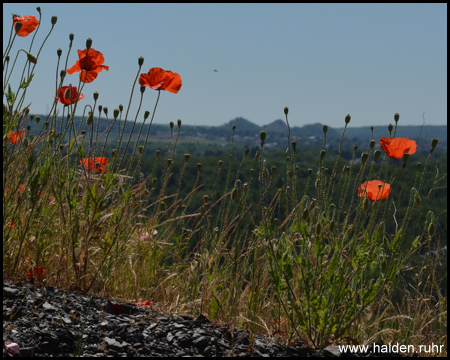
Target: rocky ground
{"type": "Point", "coordinates": [45, 322]}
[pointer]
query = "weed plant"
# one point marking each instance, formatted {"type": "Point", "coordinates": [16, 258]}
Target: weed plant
{"type": "Point", "coordinates": [316, 261]}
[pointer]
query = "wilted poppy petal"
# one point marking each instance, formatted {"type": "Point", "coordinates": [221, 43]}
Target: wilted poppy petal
{"type": "Point", "coordinates": [373, 191]}
{"type": "Point", "coordinates": [14, 136]}
{"type": "Point", "coordinates": [396, 148]}
{"type": "Point", "coordinates": [159, 79]}
{"type": "Point", "coordinates": [36, 270]}
{"type": "Point", "coordinates": [29, 24]}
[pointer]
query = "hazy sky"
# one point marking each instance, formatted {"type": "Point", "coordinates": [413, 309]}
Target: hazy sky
{"type": "Point", "coordinates": [323, 61]}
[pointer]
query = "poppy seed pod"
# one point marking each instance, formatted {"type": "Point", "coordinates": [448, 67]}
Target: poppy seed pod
{"type": "Point", "coordinates": [274, 169]}
{"type": "Point", "coordinates": [38, 9]}
{"type": "Point", "coordinates": [31, 58]}
{"type": "Point", "coordinates": [322, 154]}
{"type": "Point", "coordinates": [120, 107]}
{"type": "Point", "coordinates": [95, 96]}
{"type": "Point", "coordinates": [372, 144]}
{"type": "Point", "coordinates": [157, 152]}
{"type": "Point", "coordinates": [199, 166]}
{"type": "Point", "coordinates": [220, 163]}
{"type": "Point", "coordinates": [113, 152]}
{"type": "Point", "coordinates": [186, 157]}
{"type": "Point", "coordinates": [355, 147]}
{"type": "Point", "coordinates": [310, 171]}
{"type": "Point", "coordinates": [59, 52]}
{"type": "Point", "coordinates": [396, 117]}
{"type": "Point", "coordinates": [45, 124]}
{"type": "Point", "coordinates": [54, 20]}
{"type": "Point", "coordinates": [419, 165]}
{"type": "Point", "coordinates": [205, 199]}
{"type": "Point", "coordinates": [390, 128]}
{"type": "Point", "coordinates": [325, 129]}
{"type": "Point", "coordinates": [105, 110]}
{"type": "Point", "coordinates": [286, 110]}
{"type": "Point", "coordinates": [171, 125]}
{"type": "Point", "coordinates": [262, 136]}
{"type": "Point", "coordinates": [100, 108]}
{"type": "Point", "coordinates": [71, 36]}
{"type": "Point", "coordinates": [116, 113]}
{"type": "Point", "coordinates": [83, 132]}
{"type": "Point", "coordinates": [154, 181]}
{"type": "Point", "coordinates": [434, 143]}
{"type": "Point", "coordinates": [246, 152]}
{"type": "Point", "coordinates": [347, 118]}
{"type": "Point", "coordinates": [252, 171]}
{"type": "Point", "coordinates": [88, 43]}
{"type": "Point", "coordinates": [62, 74]}
{"type": "Point", "coordinates": [179, 123]}
{"type": "Point", "coordinates": [141, 149]}
{"type": "Point", "coordinates": [141, 61]}
{"type": "Point", "coordinates": [233, 127]}
{"type": "Point", "coordinates": [142, 89]}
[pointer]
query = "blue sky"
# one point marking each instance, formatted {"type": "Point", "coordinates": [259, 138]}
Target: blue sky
{"type": "Point", "coordinates": [323, 61]}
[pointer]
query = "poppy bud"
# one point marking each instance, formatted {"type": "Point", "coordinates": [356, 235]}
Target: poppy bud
{"type": "Point", "coordinates": [141, 149]}
{"type": "Point", "coordinates": [28, 128]}
{"type": "Point", "coordinates": [88, 43]}
{"type": "Point", "coordinates": [105, 110]}
{"type": "Point", "coordinates": [322, 154]}
{"type": "Point", "coordinates": [390, 128]}
{"type": "Point", "coordinates": [38, 9]}
{"type": "Point", "coordinates": [417, 198]}
{"type": "Point", "coordinates": [372, 144]}
{"type": "Point", "coordinates": [186, 157]}
{"type": "Point", "coordinates": [199, 166]}
{"type": "Point", "coordinates": [376, 154]}
{"type": "Point", "coordinates": [171, 125]}
{"type": "Point", "coordinates": [405, 158]}
{"type": "Point", "coordinates": [120, 107]}
{"type": "Point", "coordinates": [434, 143]}
{"type": "Point", "coordinates": [154, 181]}
{"type": "Point", "coordinates": [246, 152]}
{"type": "Point", "coordinates": [142, 89]}
{"type": "Point", "coordinates": [332, 225]}
{"type": "Point", "coordinates": [366, 204]}
{"type": "Point", "coordinates": [59, 52]}
{"type": "Point", "coordinates": [364, 157]}
{"type": "Point", "coordinates": [95, 96]}
{"type": "Point", "coordinates": [286, 110]}
{"type": "Point", "coordinates": [71, 36]}
{"type": "Point", "coordinates": [179, 123]}
{"type": "Point", "coordinates": [116, 113]}
{"type": "Point", "coordinates": [396, 117]}
{"type": "Point", "coordinates": [262, 136]}
{"type": "Point", "coordinates": [141, 61]}
{"type": "Point", "coordinates": [325, 129]}
{"type": "Point", "coordinates": [18, 26]}
{"type": "Point", "coordinates": [233, 127]}
{"type": "Point", "coordinates": [347, 118]}
{"type": "Point", "coordinates": [62, 74]}
{"type": "Point", "coordinates": [54, 20]}
{"type": "Point", "coordinates": [31, 58]}
{"type": "Point", "coordinates": [90, 118]}
{"type": "Point", "coordinates": [305, 214]}
{"type": "Point", "coordinates": [234, 194]}
{"type": "Point", "coordinates": [431, 229]}
{"type": "Point", "coordinates": [205, 199]}
{"type": "Point", "coordinates": [220, 163]}
{"type": "Point", "coordinates": [100, 108]}
{"type": "Point", "coordinates": [274, 169]}
{"type": "Point", "coordinates": [355, 147]}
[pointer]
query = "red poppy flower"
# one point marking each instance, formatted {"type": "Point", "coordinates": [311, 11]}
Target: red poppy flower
{"type": "Point", "coordinates": [89, 164]}
{"type": "Point", "coordinates": [395, 148]}
{"type": "Point", "coordinates": [67, 95]}
{"type": "Point", "coordinates": [373, 190]}
{"type": "Point", "coordinates": [12, 224]}
{"type": "Point", "coordinates": [159, 79]}
{"type": "Point", "coordinates": [143, 303]}
{"type": "Point", "coordinates": [90, 63]}
{"type": "Point", "coordinates": [39, 271]}
{"type": "Point", "coordinates": [14, 136]}
{"type": "Point", "coordinates": [29, 24]}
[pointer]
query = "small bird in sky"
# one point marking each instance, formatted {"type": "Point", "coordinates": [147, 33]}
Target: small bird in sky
{"type": "Point", "coordinates": [215, 70]}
